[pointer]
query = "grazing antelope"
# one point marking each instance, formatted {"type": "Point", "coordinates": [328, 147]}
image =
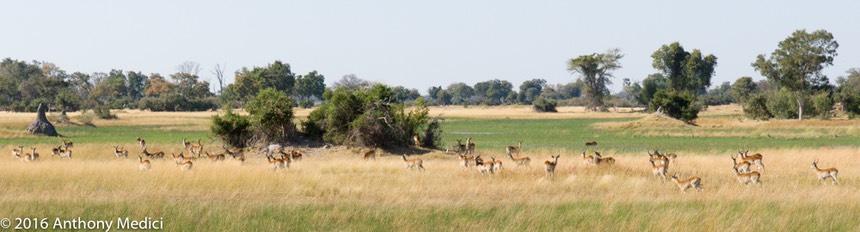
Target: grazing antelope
{"type": "Point", "coordinates": [215, 157]}
{"type": "Point", "coordinates": [156, 155]}
{"type": "Point", "coordinates": [470, 146]}
{"type": "Point", "coordinates": [823, 174]}
{"type": "Point", "coordinates": [599, 160]}
{"type": "Point", "coordinates": [591, 143]}
{"type": "Point", "coordinates": [67, 144]}
{"type": "Point", "coordinates": [466, 160]}
{"type": "Point", "coordinates": [370, 155]}
{"type": "Point", "coordinates": [185, 165]}
{"type": "Point", "coordinates": [525, 161]}
{"type": "Point", "coordinates": [235, 153]}
{"type": "Point", "coordinates": [550, 165]}
{"type": "Point", "coordinates": [497, 164]}
{"type": "Point", "coordinates": [16, 152]}
{"type": "Point", "coordinates": [753, 159]}
{"type": "Point", "coordinates": [142, 143]}
{"type": "Point", "coordinates": [411, 163]}
{"type": "Point", "coordinates": [746, 178]}
{"type": "Point", "coordinates": [120, 152]}
{"type": "Point", "coordinates": [743, 166]}
{"type": "Point", "coordinates": [484, 167]}
{"type": "Point", "coordinates": [144, 164]}
{"type": "Point", "coordinates": [278, 163]}
{"type": "Point", "coordinates": [692, 182]}
{"type": "Point", "coordinates": [659, 170]}
{"type": "Point", "coordinates": [511, 149]}
{"type": "Point", "coordinates": [587, 159]}
{"type": "Point", "coordinates": [416, 139]}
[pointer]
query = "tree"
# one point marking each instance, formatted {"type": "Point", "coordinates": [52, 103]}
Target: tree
{"type": "Point", "coordinates": [686, 71]}
{"type": "Point", "coordinates": [848, 92]}
{"type": "Point", "coordinates": [189, 67]}
{"type": "Point", "coordinates": [797, 62]}
{"type": "Point", "coordinates": [719, 95]}
{"type": "Point", "coordinates": [402, 94]}
{"type": "Point", "coordinates": [136, 84]}
{"type": "Point", "coordinates": [650, 86]}
{"type": "Point", "coordinates": [460, 93]}
{"type": "Point", "coordinates": [742, 89]}
{"type": "Point", "coordinates": [351, 82]}
{"type": "Point", "coordinates": [493, 92]}
{"type": "Point", "coordinates": [433, 91]}
{"type": "Point", "coordinates": [596, 70]}
{"type": "Point", "coordinates": [680, 105]}
{"type": "Point", "coordinates": [530, 90]}
{"type": "Point", "coordinates": [310, 86]}
{"type": "Point", "coordinates": [249, 82]}
{"type": "Point", "coordinates": [272, 116]}
{"type": "Point", "coordinates": [630, 89]}
{"type": "Point", "coordinates": [218, 71]}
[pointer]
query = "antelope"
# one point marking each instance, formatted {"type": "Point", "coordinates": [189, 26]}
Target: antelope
{"type": "Point", "coordinates": [461, 148]}
{"type": "Point", "coordinates": [742, 167]}
{"type": "Point", "coordinates": [823, 174]}
{"type": "Point", "coordinates": [525, 161]}
{"type": "Point", "coordinates": [550, 165]}
{"type": "Point", "coordinates": [186, 144]}
{"type": "Point", "coordinates": [142, 143]}
{"type": "Point", "coordinates": [497, 164]}
{"type": "Point", "coordinates": [16, 152]}
{"type": "Point", "coordinates": [181, 157]}
{"type": "Point", "coordinates": [27, 157]}
{"type": "Point", "coordinates": [235, 154]}
{"type": "Point", "coordinates": [156, 155]}
{"type": "Point", "coordinates": [120, 152]}
{"type": "Point", "coordinates": [484, 167]}
{"type": "Point", "coordinates": [185, 165]}
{"type": "Point", "coordinates": [599, 160]}
{"type": "Point", "coordinates": [658, 158]}
{"type": "Point", "coordinates": [692, 182]}
{"type": "Point", "coordinates": [659, 170]}
{"type": "Point", "coordinates": [470, 146]}
{"type": "Point", "coordinates": [591, 143]}
{"type": "Point", "coordinates": [34, 156]}
{"type": "Point", "coordinates": [144, 164]}
{"type": "Point", "coordinates": [296, 155]}
{"type": "Point", "coordinates": [587, 159]}
{"type": "Point", "coordinates": [746, 178]}
{"type": "Point", "coordinates": [511, 149]}
{"type": "Point", "coordinates": [215, 157]}
{"type": "Point", "coordinates": [370, 155]}
{"type": "Point", "coordinates": [416, 139]}
{"type": "Point", "coordinates": [465, 160]}
{"type": "Point", "coordinates": [411, 163]}
{"type": "Point", "coordinates": [56, 151]}
{"type": "Point", "coordinates": [671, 156]}
{"type": "Point", "coordinates": [67, 144]}
{"type": "Point", "coordinates": [277, 163]}
{"type": "Point", "coordinates": [66, 153]}
{"type": "Point", "coordinates": [753, 159]}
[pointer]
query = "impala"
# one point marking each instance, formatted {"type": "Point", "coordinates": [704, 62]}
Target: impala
{"type": "Point", "coordinates": [753, 159]}
{"type": "Point", "coordinates": [196, 149]}
{"type": "Point", "coordinates": [692, 182]}
{"type": "Point", "coordinates": [16, 152]}
{"type": "Point", "coordinates": [35, 155]}
{"type": "Point", "coordinates": [412, 163]}
{"type": "Point", "coordinates": [823, 174]}
{"type": "Point", "coordinates": [470, 146]}
{"type": "Point", "coordinates": [56, 151]}
{"type": "Point", "coordinates": [181, 157]}
{"type": "Point", "coordinates": [511, 149]}
{"type": "Point", "coordinates": [466, 160]}
{"type": "Point", "coordinates": [461, 148]}
{"type": "Point", "coordinates": [185, 165]}
{"type": "Point", "coordinates": [659, 170]}
{"type": "Point", "coordinates": [416, 139]}
{"type": "Point", "coordinates": [550, 165]}
{"type": "Point", "coordinates": [67, 153]}
{"type": "Point", "coordinates": [277, 163]}
{"type": "Point", "coordinates": [186, 144]}
{"type": "Point", "coordinates": [370, 155]}
{"type": "Point", "coordinates": [746, 178]}
{"type": "Point", "coordinates": [120, 152]}
{"type": "Point", "coordinates": [497, 164]}
{"type": "Point", "coordinates": [525, 161]}
{"type": "Point", "coordinates": [743, 166]}
{"type": "Point", "coordinates": [235, 153]}
{"type": "Point", "coordinates": [587, 159]}
{"type": "Point", "coordinates": [483, 167]}
{"type": "Point", "coordinates": [296, 155]}
{"type": "Point", "coordinates": [599, 160]}
{"type": "Point", "coordinates": [142, 143]}
{"type": "Point", "coordinates": [657, 158]}
{"type": "Point", "coordinates": [144, 164]}
{"type": "Point", "coordinates": [68, 144]}
{"type": "Point", "coordinates": [215, 157]}
{"type": "Point", "coordinates": [156, 155]}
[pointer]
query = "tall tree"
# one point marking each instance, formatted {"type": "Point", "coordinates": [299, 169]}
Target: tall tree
{"type": "Point", "coordinates": [351, 82]}
{"type": "Point", "coordinates": [218, 71]}
{"type": "Point", "coordinates": [493, 91]}
{"type": "Point", "coordinates": [797, 63]}
{"type": "Point", "coordinates": [650, 86]}
{"type": "Point", "coordinates": [310, 86]}
{"type": "Point", "coordinates": [742, 89]}
{"type": "Point", "coordinates": [596, 70]}
{"type": "Point", "coordinates": [460, 93]}
{"type": "Point", "coordinates": [530, 90]}
{"type": "Point", "coordinates": [686, 71]}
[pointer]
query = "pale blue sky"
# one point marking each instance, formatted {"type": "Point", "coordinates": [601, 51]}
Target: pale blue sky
{"type": "Point", "coordinates": [412, 43]}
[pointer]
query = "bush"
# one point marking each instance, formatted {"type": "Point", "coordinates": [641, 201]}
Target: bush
{"type": "Point", "coordinates": [271, 113]}
{"type": "Point", "coordinates": [233, 129]}
{"type": "Point", "coordinates": [542, 104]}
{"type": "Point", "coordinates": [85, 118]}
{"type": "Point", "coordinates": [175, 102]}
{"type": "Point", "coordinates": [822, 104]}
{"type": "Point", "coordinates": [103, 112]}
{"type": "Point", "coordinates": [756, 108]}
{"type": "Point", "coordinates": [677, 105]}
{"type": "Point", "coordinates": [306, 103]}
{"type": "Point", "coordinates": [783, 104]}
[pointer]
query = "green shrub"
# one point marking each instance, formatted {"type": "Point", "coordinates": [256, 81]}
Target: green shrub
{"type": "Point", "coordinates": [756, 107]}
{"type": "Point", "coordinates": [233, 129]}
{"type": "Point", "coordinates": [542, 104]}
{"type": "Point", "coordinates": [103, 112]}
{"type": "Point", "coordinates": [822, 104]}
{"type": "Point", "coordinates": [271, 114]}
{"type": "Point", "coordinates": [677, 105]}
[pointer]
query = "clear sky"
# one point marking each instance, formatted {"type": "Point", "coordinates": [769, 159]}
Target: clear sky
{"type": "Point", "coordinates": [417, 44]}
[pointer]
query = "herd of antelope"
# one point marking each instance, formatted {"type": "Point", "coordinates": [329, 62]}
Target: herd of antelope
{"type": "Point", "coordinates": [279, 158]}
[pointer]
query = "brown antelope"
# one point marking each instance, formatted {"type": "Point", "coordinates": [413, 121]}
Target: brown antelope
{"type": "Point", "coordinates": [296, 155]}
{"type": "Point", "coordinates": [16, 152]}
{"type": "Point", "coordinates": [27, 157]}
{"type": "Point", "coordinates": [823, 174]}
{"type": "Point", "coordinates": [591, 143]}
{"type": "Point", "coordinates": [67, 153]}
{"type": "Point", "coordinates": [587, 160]}
{"type": "Point", "coordinates": [746, 178]}
{"type": "Point", "coordinates": [497, 164]}
{"type": "Point", "coordinates": [743, 166]}
{"type": "Point", "coordinates": [155, 155]}
{"type": "Point", "coordinates": [416, 139]}
{"type": "Point", "coordinates": [234, 153]}
{"type": "Point", "coordinates": [186, 144]}
{"type": "Point", "coordinates": [692, 182]}
{"type": "Point", "coordinates": [370, 155]}
{"type": "Point", "coordinates": [753, 159]}
{"type": "Point", "coordinates": [142, 143]}
{"type": "Point", "coordinates": [35, 155]}
{"type": "Point", "coordinates": [215, 157]}
{"type": "Point", "coordinates": [511, 149]}
{"type": "Point", "coordinates": [144, 164]}
{"type": "Point", "coordinates": [56, 151]}
{"type": "Point", "coordinates": [182, 157]}
{"type": "Point", "coordinates": [466, 160]}
{"type": "Point", "coordinates": [120, 152]}
{"type": "Point", "coordinates": [67, 144]}
{"type": "Point", "coordinates": [484, 167]}
{"type": "Point", "coordinates": [461, 148]}
{"type": "Point", "coordinates": [185, 165]}
{"type": "Point", "coordinates": [550, 165]}
{"type": "Point", "coordinates": [412, 163]}
{"type": "Point", "coordinates": [657, 158]}
{"type": "Point", "coordinates": [599, 160]}
{"type": "Point", "coordinates": [659, 170]}
{"type": "Point", "coordinates": [470, 146]}
{"type": "Point", "coordinates": [279, 163]}
{"type": "Point", "coordinates": [525, 161]}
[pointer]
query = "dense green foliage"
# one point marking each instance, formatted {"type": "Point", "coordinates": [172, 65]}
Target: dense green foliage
{"type": "Point", "coordinates": [848, 92]}
{"type": "Point", "coordinates": [596, 70]}
{"type": "Point", "coordinates": [685, 71]}
{"type": "Point", "coordinates": [543, 104]}
{"type": "Point", "coordinates": [231, 128]}
{"type": "Point", "coordinates": [271, 113]}
{"type": "Point", "coordinates": [680, 105]}
{"type": "Point", "coordinates": [742, 89]}
{"type": "Point", "coordinates": [756, 107]}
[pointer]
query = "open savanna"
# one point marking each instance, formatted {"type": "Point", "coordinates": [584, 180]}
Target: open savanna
{"type": "Point", "coordinates": [333, 189]}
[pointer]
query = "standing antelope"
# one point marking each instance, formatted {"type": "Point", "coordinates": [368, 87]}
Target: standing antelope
{"type": "Point", "coordinates": [692, 182]}
{"type": "Point", "coordinates": [550, 165]}
{"type": "Point", "coordinates": [599, 160]}
{"type": "Point", "coordinates": [742, 167]}
{"type": "Point", "coordinates": [823, 174]}
{"type": "Point", "coordinates": [235, 153]}
{"type": "Point", "coordinates": [27, 157]}
{"type": "Point", "coordinates": [275, 163]}
{"type": "Point", "coordinates": [497, 164]}
{"type": "Point", "coordinates": [185, 165]}
{"type": "Point", "coordinates": [465, 160]}
{"type": "Point", "coordinates": [144, 164]}
{"type": "Point", "coordinates": [16, 152]}
{"type": "Point", "coordinates": [67, 153]}
{"type": "Point", "coordinates": [657, 158]}
{"type": "Point", "coordinates": [186, 144]}
{"type": "Point", "coordinates": [215, 157]}
{"type": "Point", "coordinates": [525, 161]}
{"type": "Point", "coordinates": [156, 155]}
{"type": "Point", "coordinates": [746, 178]}
{"type": "Point", "coordinates": [470, 146]}
{"type": "Point", "coordinates": [461, 148]}
{"type": "Point", "coordinates": [370, 155]}
{"type": "Point", "coordinates": [56, 151]}
{"type": "Point", "coordinates": [511, 149]}
{"type": "Point", "coordinates": [659, 170]}
{"type": "Point", "coordinates": [587, 159]}
{"type": "Point", "coordinates": [482, 166]}
{"type": "Point", "coordinates": [68, 144]}
{"type": "Point", "coordinates": [416, 139]}
{"type": "Point", "coordinates": [35, 155]}
{"type": "Point", "coordinates": [120, 152]}
{"type": "Point", "coordinates": [753, 159]}
{"type": "Point", "coordinates": [142, 143]}
{"type": "Point", "coordinates": [410, 163]}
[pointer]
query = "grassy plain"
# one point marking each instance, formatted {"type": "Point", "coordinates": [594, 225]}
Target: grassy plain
{"type": "Point", "coordinates": [332, 189]}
